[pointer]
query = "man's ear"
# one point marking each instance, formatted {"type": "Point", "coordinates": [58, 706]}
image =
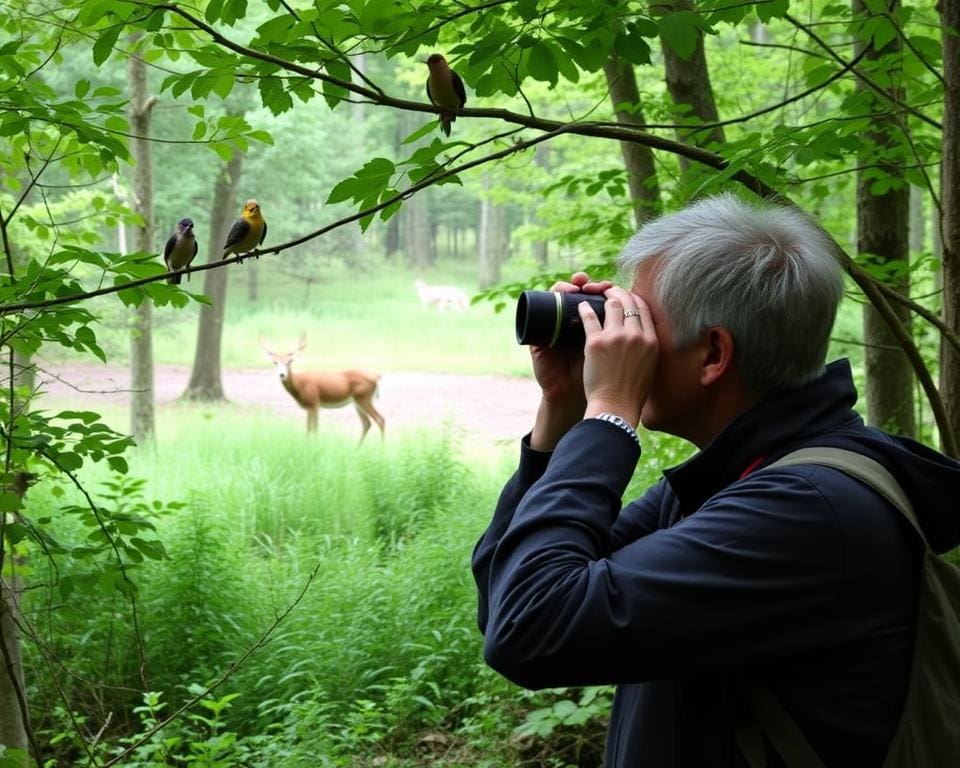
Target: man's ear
{"type": "Point", "coordinates": [719, 349]}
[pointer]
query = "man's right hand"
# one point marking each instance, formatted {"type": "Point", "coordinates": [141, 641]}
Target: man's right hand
{"type": "Point", "coordinates": [559, 372]}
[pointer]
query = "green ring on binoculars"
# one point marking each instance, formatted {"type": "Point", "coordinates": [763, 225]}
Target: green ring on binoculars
{"type": "Point", "coordinates": [558, 323]}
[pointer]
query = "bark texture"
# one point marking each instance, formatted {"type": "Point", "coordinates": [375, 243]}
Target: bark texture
{"type": "Point", "coordinates": [491, 238]}
{"type": "Point", "coordinates": [638, 159]}
{"type": "Point", "coordinates": [950, 214]}
{"type": "Point", "coordinates": [141, 333]}
{"type": "Point", "coordinates": [13, 728]}
{"type": "Point", "coordinates": [205, 377]}
{"type": "Point", "coordinates": [883, 233]}
{"type": "Point", "coordinates": [688, 82]}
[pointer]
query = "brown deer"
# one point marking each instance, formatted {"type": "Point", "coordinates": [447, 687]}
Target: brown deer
{"type": "Point", "coordinates": [328, 389]}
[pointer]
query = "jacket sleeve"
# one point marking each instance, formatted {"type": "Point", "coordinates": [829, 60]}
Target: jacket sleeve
{"type": "Point", "coordinates": [754, 569]}
{"type": "Point", "coordinates": [532, 465]}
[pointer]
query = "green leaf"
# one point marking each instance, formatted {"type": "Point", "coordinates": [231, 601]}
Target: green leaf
{"type": "Point", "coordinates": [681, 33]}
{"type": "Point", "coordinates": [345, 190]}
{"type": "Point", "coordinates": [214, 7]}
{"type": "Point", "coordinates": [262, 136]}
{"type": "Point", "coordinates": [527, 9]}
{"type": "Point", "coordinates": [421, 132]}
{"type": "Point", "coordinates": [81, 88]}
{"type": "Point", "coordinates": [15, 532]}
{"type": "Point", "coordinates": [69, 461]}
{"type": "Point", "coordinates": [541, 63]}
{"type": "Point", "coordinates": [884, 33]}
{"type": "Point", "coordinates": [104, 45]}
{"type": "Point", "coordinates": [10, 502]}
{"type": "Point", "coordinates": [772, 9]}
{"type": "Point", "coordinates": [152, 549]}
{"type": "Point", "coordinates": [273, 95]}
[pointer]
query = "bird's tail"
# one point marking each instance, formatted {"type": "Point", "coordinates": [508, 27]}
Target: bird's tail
{"type": "Point", "coordinates": [445, 121]}
{"type": "Point", "coordinates": [174, 279]}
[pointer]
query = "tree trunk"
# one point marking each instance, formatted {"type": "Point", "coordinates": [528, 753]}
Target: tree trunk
{"type": "Point", "coordinates": [13, 729]}
{"type": "Point", "coordinates": [936, 245]}
{"type": "Point", "coordinates": [483, 237]}
{"type": "Point", "coordinates": [688, 81]}
{"type": "Point", "coordinates": [950, 214]}
{"type": "Point", "coordinates": [141, 334]}
{"type": "Point", "coordinates": [883, 223]}
{"type": "Point", "coordinates": [418, 233]}
{"type": "Point", "coordinates": [253, 280]}
{"type": "Point", "coordinates": [638, 159]}
{"type": "Point", "coordinates": [918, 221]}
{"type": "Point", "coordinates": [490, 238]}
{"type": "Point", "coordinates": [358, 114]}
{"type": "Point", "coordinates": [205, 378]}
{"type": "Point", "coordinates": [392, 244]}
{"type": "Point", "coordinates": [14, 712]}
{"type": "Point", "coordinates": [541, 248]}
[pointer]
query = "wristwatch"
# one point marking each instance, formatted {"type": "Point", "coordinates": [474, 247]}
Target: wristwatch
{"type": "Point", "coordinates": [620, 422]}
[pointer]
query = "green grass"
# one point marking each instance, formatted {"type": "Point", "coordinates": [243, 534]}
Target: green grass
{"type": "Point", "coordinates": [382, 646]}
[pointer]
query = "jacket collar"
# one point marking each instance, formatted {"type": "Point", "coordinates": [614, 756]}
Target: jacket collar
{"type": "Point", "coordinates": [781, 421]}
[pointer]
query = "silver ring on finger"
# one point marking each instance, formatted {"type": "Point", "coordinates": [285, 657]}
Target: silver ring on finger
{"type": "Point", "coordinates": [630, 313]}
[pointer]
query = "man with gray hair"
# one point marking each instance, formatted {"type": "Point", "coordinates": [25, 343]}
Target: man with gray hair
{"type": "Point", "coordinates": [728, 573]}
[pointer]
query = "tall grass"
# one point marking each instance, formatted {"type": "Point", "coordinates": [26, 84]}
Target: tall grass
{"type": "Point", "coordinates": [382, 645]}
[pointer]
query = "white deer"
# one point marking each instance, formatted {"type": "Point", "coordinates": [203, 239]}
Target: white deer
{"type": "Point", "coordinates": [328, 389]}
{"type": "Point", "coordinates": [442, 296]}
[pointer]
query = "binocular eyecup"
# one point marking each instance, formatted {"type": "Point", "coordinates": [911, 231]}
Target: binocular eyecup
{"type": "Point", "coordinates": [551, 319]}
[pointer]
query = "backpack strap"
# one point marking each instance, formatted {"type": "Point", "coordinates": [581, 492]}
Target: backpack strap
{"type": "Point", "coordinates": [860, 467]}
{"type": "Point", "coordinates": [774, 720]}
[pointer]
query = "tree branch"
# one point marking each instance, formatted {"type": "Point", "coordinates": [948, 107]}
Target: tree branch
{"type": "Point", "coordinates": [866, 80]}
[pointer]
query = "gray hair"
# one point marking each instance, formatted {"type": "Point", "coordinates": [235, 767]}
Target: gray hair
{"type": "Point", "coordinates": [770, 275]}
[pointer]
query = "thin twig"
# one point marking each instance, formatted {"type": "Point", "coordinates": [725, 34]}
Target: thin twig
{"type": "Point", "coordinates": [866, 80]}
{"type": "Point", "coordinates": [145, 737]}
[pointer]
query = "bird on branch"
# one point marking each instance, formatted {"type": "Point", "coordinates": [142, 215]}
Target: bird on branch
{"type": "Point", "coordinates": [445, 89]}
{"type": "Point", "coordinates": [180, 250]}
{"type": "Point", "coordinates": [247, 232]}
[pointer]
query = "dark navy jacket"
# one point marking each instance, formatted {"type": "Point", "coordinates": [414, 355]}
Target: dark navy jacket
{"type": "Point", "coordinates": [800, 577]}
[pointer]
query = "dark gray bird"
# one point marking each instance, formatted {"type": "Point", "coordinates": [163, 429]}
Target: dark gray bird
{"type": "Point", "coordinates": [180, 249]}
{"type": "Point", "coordinates": [445, 89]}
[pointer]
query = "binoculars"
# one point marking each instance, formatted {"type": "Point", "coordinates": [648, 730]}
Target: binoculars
{"type": "Point", "coordinates": [551, 319]}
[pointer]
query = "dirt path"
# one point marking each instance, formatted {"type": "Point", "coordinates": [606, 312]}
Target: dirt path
{"type": "Point", "coordinates": [492, 407]}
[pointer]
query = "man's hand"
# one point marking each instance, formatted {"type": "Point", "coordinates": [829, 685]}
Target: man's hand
{"type": "Point", "coordinates": [620, 357]}
{"type": "Point", "coordinates": [559, 372]}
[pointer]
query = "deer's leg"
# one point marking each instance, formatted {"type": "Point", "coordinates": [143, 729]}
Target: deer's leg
{"type": "Point", "coordinates": [311, 420]}
{"type": "Point", "coordinates": [365, 406]}
{"type": "Point", "coordinates": [369, 412]}
{"type": "Point", "coordinates": [364, 421]}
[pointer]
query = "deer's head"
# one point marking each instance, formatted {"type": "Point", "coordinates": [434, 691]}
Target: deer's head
{"type": "Point", "coordinates": [282, 361]}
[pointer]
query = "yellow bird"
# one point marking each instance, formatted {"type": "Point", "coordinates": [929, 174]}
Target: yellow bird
{"type": "Point", "coordinates": [247, 232]}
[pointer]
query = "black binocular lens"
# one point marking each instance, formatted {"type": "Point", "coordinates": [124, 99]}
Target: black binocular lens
{"type": "Point", "coordinates": [551, 319]}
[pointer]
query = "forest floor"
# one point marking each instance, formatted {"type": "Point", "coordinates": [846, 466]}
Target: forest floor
{"type": "Point", "coordinates": [490, 409]}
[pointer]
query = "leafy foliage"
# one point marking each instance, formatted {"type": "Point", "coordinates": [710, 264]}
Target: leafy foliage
{"type": "Point", "coordinates": [227, 69]}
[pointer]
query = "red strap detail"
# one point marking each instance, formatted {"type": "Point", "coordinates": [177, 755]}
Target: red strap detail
{"type": "Point", "coordinates": [752, 466]}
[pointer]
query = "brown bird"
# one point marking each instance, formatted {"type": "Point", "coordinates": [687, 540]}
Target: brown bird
{"type": "Point", "coordinates": [445, 89]}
